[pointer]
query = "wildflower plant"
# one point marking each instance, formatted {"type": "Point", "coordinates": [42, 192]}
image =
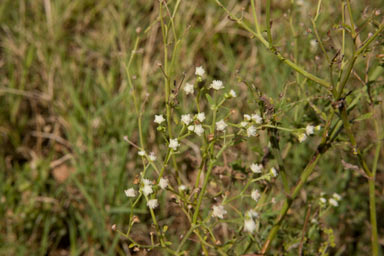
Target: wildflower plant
{"type": "Point", "coordinates": [235, 203]}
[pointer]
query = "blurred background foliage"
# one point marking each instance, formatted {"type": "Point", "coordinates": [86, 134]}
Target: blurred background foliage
{"type": "Point", "coordinates": [65, 106]}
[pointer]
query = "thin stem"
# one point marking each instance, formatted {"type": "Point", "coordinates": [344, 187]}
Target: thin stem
{"type": "Point", "coordinates": [268, 22]}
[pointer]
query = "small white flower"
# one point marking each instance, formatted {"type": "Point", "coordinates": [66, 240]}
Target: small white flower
{"type": "Point", "coordinates": [152, 156]}
{"type": "Point", "coordinates": [249, 225]}
{"type": "Point", "coordinates": [141, 153]}
{"type": "Point", "coordinates": [153, 203]}
{"type": "Point", "coordinates": [221, 125]}
{"type": "Point", "coordinates": [302, 137]}
{"type": "Point", "coordinates": [174, 144]}
{"type": "Point", "coordinates": [219, 211]}
{"type": "Point", "coordinates": [309, 129]}
{"type": "Point", "coordinates": [255, 195]}
{"type": "Point", "coordinates": [130, 192]}
{"type": "Point", "coordinates": [163, 183]}
{"type": "Point", "coordinates": [232, 93]}
{"type": "Point", "coordinates": [188, 88]}
{"type": "Point", "coordinates": [257, 118]}
{"type": "Point", "coordinates": [313, 43]}
{"type": "Point", "coordinates": [147, 190]}
{"type": "Point", "coordinates": [336, 196]}
{"type": "Point", "coordinates": [159, 119]}
{"type": "Point", "coordinates": [251, 131]}
{"type": "Point", "coordinates": [323, 200]}
{"type": "Point", "coordinates": [256, 168]}
{"type": "Point", "coordinates": [146, 182]}
{"type": "Point", "coordinates": [200, 71]}
{"type": "Point", "coordinates": [191, 128]}
{"type": "Point", "coordinates": [199, 130]}
{"type": "Point", "coordinates": [333, 202]}
{"type": "Point", "coordinates": [187, 119]}
{"type": "Point", "coordinates": [182, 187]}
{"type": "Point", "coordinates": [252, 214]}
{"type": "Point", "coordinates": [217, 85]}
{"type": "Point", "coordinates": [243, 124]}
{"type": "Point", "coordinates": [201, 117]}
{"type": "Point", "coordinates": [274, 172]}
{"type": "Point", "coordinates": [247, 117]}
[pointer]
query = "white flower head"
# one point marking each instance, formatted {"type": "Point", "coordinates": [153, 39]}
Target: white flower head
{"type": "Point", "coordinates": [199, 130]}
{"type": "Point", "coordinates": [243, 123]}
{"type": "Point", "coordinates": [336, 196]}
{"type": "Point", "coordinates": [147, 190]}
{"type": "Point", "coordinates": [302, 137]}
{"type": "Point", "coordinates": [146, 182]}
{"type": "Point", "coordinates": [141, 153]}
{"type": "Point", "coordinates": [152, 156]}
{"type": "Point", "coordinates": [256, 168]}
{"type": "Point", "coordinates": [217, 85]}
{"type": "Point", "coordinates": [153, 203]}
{"type": "Point", "coordinates": [219, 211]}
{"type": "Point", "coordinates": [200, 71]}
{"type": "Point", "coordinates": [201, 117]}
{"type": "Point", "coordinates": [251, 131]}
{"type": "Point", "coordinates": [221, 125]}
{"type": "Point", "coordinates": [247, 117]}
{"type": "Point", "coordinates": [333, 202]}
{"type": "Point", "coordinates": [131, 192]}
{"type": "Point", "coordinates": [191, 128]}
{"type": "Point", "coordinates": [252, 214]}
{"type": "Point", "coordinates": [174, 144]}
{"type": "Point", "coordinates": [187, 119]}
{"type": "Point", "coordinates": [323, 200]}
{"type": "Point", "coordinates": [255, 195]}
{"type": "Point", "coordinates": [274, 172]}
{"type": "Point", "coordinates": [232, 93]}
{"type": "Point", "coordinates": [182, 187]}
{"type": "Point", "coordinates": [257, 118]}
{"type": "Point", "coordinates": [309, 130]}
{"type": "Point", "coordinates": [188, 88]}
{"type": "Point", "coordinates": [163, 183]}
{"type": "Point", "coordinates": [159, 119]}
{"type": "Point", "coordinates": [249, 225]}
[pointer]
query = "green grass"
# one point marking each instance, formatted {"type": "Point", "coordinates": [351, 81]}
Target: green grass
{"type": "Point", "coordinates": [64, 94]}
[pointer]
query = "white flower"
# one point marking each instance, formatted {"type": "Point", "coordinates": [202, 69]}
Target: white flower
{"type": "Point", "coordinates": [146, 182]}
{"type": "Point", "coordinates": [219, 211]}
{"type": "Point", "coordinates": [163, 183]}
{"type": "Point", "coordinates": [152, 156]}
{"type": "Point", "coordinates": [141, 153]}
{"type": "Point", "coordinates": [323, 200]}
{"type": "Point", "coordinates": [249, 225]}
{"type": "Point", "coordinates": [191, 128]}
{"type": "Point", "coordinates": [313, 43]}
{"type": "Point", "coordinates": [182, 187]}
{"type": "Point", "coordinates": [302, 137]}
{"type": "Point", "coordinates": [333, 202]}
{"type": "Point", "coordinates": [232, 93]}
{"type": "Point", "coordinates": [201, 116]}
{"type": "Point", "coordinates": [257, 118]}
{"type": "Point", "coordinates": [221, 125]}
{"type": "Point", "coordinates": [130, 192]}
{"type": "Point", "coordinates": [153, 203]}
{"type": "Point", "coordinates": [336, 196]}
{"type": "Point", "coordinates": [247, 117]}
{"type": "Point", "coordinates": [188, 88]}
{"type": "Point", "coordinates": [199, 130]}
{"type": "Point", "coordinates": [187, 119]}
{"type": "Point", "coordinates": [256, 168]}
{"type": "Point", "coordinates": [309, 129]}
{"type": "Point", "coordinates": [255, 195]}
{"type": "Point", "coordinates": [217, 85]}
{"type": "Point", "coordinates": [274, 172]}
{"type": "Point", "coordinates": [251, 131]}
{"type": "Point", "coordinates": [147, 190]}
{"type": "Point", "coordinates": [243, 124]}
{"type": "Point", "coordinates": [159, 119]}
{"type": "Point", "coordinates": [174, 144]}
{"type": "Point", "coordinates": [252, 214]}
{"type": "Point", "coordinates": [199, 71]}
